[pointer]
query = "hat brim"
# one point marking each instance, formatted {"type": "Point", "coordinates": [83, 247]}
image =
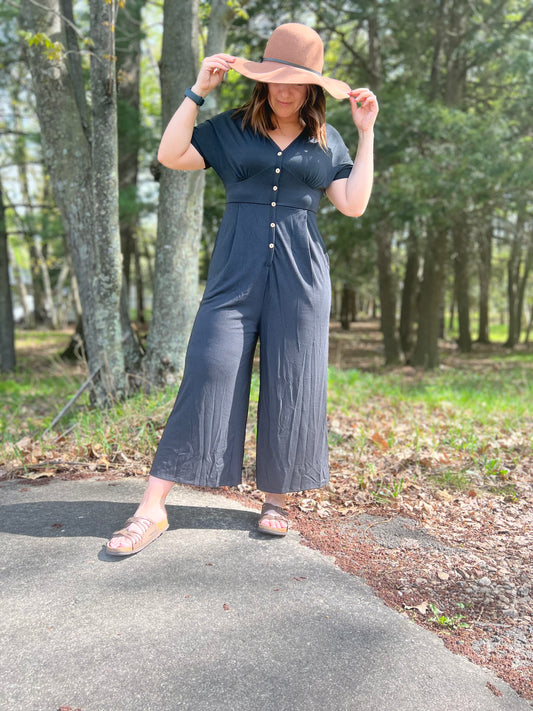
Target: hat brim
{"type": "Point", "coordinates": [274, 73]}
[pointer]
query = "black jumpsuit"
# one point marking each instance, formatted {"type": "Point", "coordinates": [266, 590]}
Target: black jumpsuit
{"type": "Point", "coordinates": [268, 279]}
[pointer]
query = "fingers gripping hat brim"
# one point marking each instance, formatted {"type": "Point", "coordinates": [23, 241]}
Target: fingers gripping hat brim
{"type": "Point", "coordinates": [279, 73]}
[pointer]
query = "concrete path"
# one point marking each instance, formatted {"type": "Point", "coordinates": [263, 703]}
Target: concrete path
{"type": "Point", "coordinates": [211, 616]}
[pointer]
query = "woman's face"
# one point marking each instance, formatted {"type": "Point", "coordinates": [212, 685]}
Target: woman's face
{"type": "Point", "coordinates": [286, 99]}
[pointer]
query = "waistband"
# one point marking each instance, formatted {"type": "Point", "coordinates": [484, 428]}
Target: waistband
{"type": "Point", "coordinates": [296, 208]}
{"type": "Point", "coordinates": [288, 198]}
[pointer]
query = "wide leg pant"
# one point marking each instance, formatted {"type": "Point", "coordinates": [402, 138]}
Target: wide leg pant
{"type": "Point", "coordinates": [281, 299]}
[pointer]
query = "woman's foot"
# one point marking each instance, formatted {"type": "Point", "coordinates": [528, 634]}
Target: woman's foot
{"type": "Point", "coordinates": [137, 527]}
{"type": "Point", "coordinates": [151, 509]}
{"type": "Point", "coordinates": [273, 519]}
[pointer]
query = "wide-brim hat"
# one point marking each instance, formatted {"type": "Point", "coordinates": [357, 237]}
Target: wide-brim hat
{"type": "Point", "coordinates": [294, 54]}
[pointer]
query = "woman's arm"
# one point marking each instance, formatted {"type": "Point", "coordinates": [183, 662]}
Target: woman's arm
{"type": "Point", "coordinates": [175, 149]}
{"type": "Point", "coordinates": [351, 195]}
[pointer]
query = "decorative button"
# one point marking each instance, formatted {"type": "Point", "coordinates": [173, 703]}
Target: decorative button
{"type": "Point", "coordinates": [271, 245]}
{"type": "Point", "coordinates": [278, 170]}
{"type": "Point", "coordinates": [273, 204]}
{"type": "Point", "coordinates": [272, 224]}
{"type": "Point", "coordinates": [275, 187]}
{"type": "Point", "coordinates": [280, 153]}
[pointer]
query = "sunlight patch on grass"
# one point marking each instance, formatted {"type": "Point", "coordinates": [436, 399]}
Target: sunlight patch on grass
{"type": "Point", "coordinates": [480, 397]}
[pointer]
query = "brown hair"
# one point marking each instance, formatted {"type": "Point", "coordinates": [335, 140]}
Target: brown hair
{"type": "Point", "coordinates": [258, 114]}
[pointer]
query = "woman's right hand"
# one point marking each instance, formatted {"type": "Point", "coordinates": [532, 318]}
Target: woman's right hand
{"type": "Point", "coordinates": [212, 73]}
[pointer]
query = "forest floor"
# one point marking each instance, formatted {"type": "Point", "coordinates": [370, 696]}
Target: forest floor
{"type": "Point", "coordinates": [431, 505]}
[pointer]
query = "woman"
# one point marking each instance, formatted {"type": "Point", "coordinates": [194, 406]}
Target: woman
{"type": "Point", "coordinates": [268, 280]}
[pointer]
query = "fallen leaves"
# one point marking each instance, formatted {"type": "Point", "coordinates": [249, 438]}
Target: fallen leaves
{"type": "Point", "coordinates": [422, 608]}
{"type": "Point", "coordinates": [380, 441]}
{"type": "Point", "coordinates": [40, 461]}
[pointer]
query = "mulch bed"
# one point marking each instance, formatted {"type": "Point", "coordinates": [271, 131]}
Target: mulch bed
{"type": "Point", "coordinates": [461, 571]}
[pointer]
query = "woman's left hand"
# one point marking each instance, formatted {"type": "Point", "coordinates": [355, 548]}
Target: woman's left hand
{"type": "Point", "coordinates": [364, 107]}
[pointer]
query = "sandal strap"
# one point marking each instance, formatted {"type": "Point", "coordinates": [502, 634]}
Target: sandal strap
{"type": "Point", "coordinates": [274, 511]}
{"type": "Point", "coordinates": [140, 520]}
{"type": "Point", "coordinates": [266, 517]}
{"type": "Point", "coordinates": [148, 532]}
{"type": "Point", "coordinates": [270, 512]}
{"type": "Point", "coordinates": [130, 535]}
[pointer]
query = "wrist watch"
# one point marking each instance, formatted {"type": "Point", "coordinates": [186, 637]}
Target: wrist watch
{"type": "Point", "coordinates": [198, 100]}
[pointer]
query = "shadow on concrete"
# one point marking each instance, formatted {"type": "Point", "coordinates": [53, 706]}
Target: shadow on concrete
{"type": "Point", "coordinates": [98, 519]}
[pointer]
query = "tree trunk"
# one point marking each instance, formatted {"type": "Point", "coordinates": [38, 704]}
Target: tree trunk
{"type": "Point", "coordinates": [455, 81]}
{"type": "Point", "coordinates": [131, 345]}
{"type": "Point", "coordinates": [92, 238]}
{"type": "Point", "coordinates": [461, 250]}
{"type": "Point", "coordinates": [128, 41]}
{"type": "Point", "coordinates": [485, 261]}
{"type": "Point", "coordinates": [139, 284]}
{"type": "Point", "coordinates": [347, 307]}
{"type": "Point", "coordinates": [38, 317]}
{"type": "Point", "coordinates": [220, 19]}
{"type": "Point", "coordinates": [20, 287]}
{"type": "Point", "coordinates": [66, 153]}
{"type": "Point", "coordinates": [522, 282]}
{"type": "Point", "coordinates": [409, 294]}
{"type": "Point", "coordinates": [60, 296]}
{"type": "Point", "coordinates": [74, 67]}
{"type": "Point", "coordinates": [426, 353]}
{"type": "Point", "coordinates": [76, 348]}
{"type": "Point", "coordinates": [529, 324]}
{"type": "Point", "coordinates": [105, 186]}
{"type": "Point", "coordinates": [439, 35]}
{"type": "Point", "coordinates": [46, 231]}
{"type": "Point", "coordinates": [39, 312]}
{"type": "Point", "coordinates": [128, 50]}
{"type": "Point", "coordinates": [7, 326]}
{"type": "Point", "coordinates": [513, 280]}
{"type": "Point", "coordinates": [451, 312]}
{"type": "Point", "coordinates": [175, 298]}
{"type": "Point", "coordinates": [48, 314]}
{"type": "Point", "coordinates": [387, 295]}
{"type": "Point", "coordinates": [175, 293]}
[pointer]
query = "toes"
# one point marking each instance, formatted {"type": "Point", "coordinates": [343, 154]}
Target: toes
{"type": "Point", "coordinates": [274, 523]}
{"type": "Point", "coordinates": [116, 543]}
{"type": "Point", "coordinates": [122, 542]}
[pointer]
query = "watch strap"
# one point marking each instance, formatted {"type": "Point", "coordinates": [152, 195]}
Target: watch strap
{"type": "Point", "coordinates": [198, 100]}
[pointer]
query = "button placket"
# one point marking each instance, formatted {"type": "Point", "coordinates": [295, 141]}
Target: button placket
{"type": "Point", "coordinates": [273, 203]}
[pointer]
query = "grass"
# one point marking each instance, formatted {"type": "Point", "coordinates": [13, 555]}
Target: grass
{"type": "Point", "coordinates": [461, 426]}
{"type": "Point", "coordinates": [481, 396]}
{"type": "Point", "coordinates": [40, 386]}
{"type": "Point", "coordinates": [498, 332]}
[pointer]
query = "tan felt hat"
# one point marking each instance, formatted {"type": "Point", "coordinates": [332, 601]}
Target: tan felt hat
{"type": "Point", "coordinates": [294, 55]}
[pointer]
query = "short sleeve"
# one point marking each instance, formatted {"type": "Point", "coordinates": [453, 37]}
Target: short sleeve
{"type": "Point", "coordinates": [210, 139]}
{"type": "Point", "coordinates": [204, 140]}
{"type": "Point", "coordinates": [341, 162]}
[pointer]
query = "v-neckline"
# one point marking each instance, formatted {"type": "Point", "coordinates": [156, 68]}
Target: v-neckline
{"type": "Point", "coordinates": [289, 144]}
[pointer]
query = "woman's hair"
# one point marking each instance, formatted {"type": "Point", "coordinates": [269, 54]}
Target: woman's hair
{"type": "Point", "coordinates": [258, 114]}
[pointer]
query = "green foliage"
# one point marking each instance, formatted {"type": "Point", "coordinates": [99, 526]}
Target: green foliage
{"type": "Point", "coordinates": [238, 9]}
{"type": "Point", "coordinates": [51, 50]}
{"type": "Point", "coordinates": [453, 138]}
{"type": "Point", "coordinates": [454, 622]}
